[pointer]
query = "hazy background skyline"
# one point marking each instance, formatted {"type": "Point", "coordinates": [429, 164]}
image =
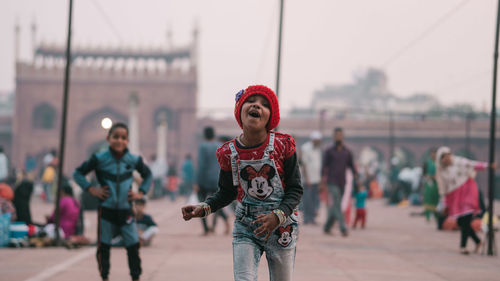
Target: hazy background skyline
{"type": "Point", "coordinates": [324, 42]}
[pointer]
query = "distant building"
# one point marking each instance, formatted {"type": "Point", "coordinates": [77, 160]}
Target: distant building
{"type": "Point", "coordinates": [122, 84]}
{"type": "Point", "coordinates": [368, 94]}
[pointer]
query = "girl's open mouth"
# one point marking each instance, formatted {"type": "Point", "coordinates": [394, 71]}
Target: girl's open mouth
{"type": "Point", "coordinates": [254, 114]}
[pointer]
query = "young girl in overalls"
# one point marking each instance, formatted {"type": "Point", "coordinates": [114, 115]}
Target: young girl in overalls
{"type": "Point", "coordinates": [114, 168]}
{"type": "Point", "coordinates": [260, 170]}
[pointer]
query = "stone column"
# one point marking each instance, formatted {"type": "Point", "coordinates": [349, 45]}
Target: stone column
{"type": "Point", "coordinates": [133, 123]}
{"type": "Point", "coordinates": [162, 132]}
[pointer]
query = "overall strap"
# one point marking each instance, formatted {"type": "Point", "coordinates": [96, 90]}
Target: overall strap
{"type": "Point", "coordinates": [270, 146]}
{"type": "Point", "coordinates": [234, 163]}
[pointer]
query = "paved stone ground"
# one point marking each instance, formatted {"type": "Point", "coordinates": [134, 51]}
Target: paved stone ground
{"type": "Point", "coordinates": [394, 246]}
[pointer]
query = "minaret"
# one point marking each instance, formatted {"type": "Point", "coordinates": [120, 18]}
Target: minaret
{"type": "Point", "coordinates": [194, 45]}
{"type": "Point", "coordinates": [17, 31]}
{"type": "Point", "coordinates": [170, 42]}
{"type": "Point", "coordinates": [33, 38]}
{"type": "Point", "coordinates": [133, 123]}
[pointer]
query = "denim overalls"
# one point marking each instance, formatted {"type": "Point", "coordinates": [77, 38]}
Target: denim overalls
{"type": "Point", "coordinates": [261, 183]}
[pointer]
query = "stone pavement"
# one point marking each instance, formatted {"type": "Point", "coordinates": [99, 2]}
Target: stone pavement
{"type": "Point", "coordinates": [394, 246]}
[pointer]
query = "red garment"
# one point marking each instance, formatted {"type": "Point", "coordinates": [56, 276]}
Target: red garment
{"type": "Point", "coordinates": [360, 216]}
{"type": "Point", "coordinates": [6, 192]}
{"type": "Point", "coordinates": [463, 200]}
{"type": "Point", "coordinates": [284, 147]}
{"type": "Point", "coordinates": [347, 213]}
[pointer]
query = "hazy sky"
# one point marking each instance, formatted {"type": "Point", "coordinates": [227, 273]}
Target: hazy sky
{"type": "Point", "coordinates": [325, 41]}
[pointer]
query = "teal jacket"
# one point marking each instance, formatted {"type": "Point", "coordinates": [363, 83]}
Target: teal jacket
{"type": "Point", "coordinates": [116, 173]}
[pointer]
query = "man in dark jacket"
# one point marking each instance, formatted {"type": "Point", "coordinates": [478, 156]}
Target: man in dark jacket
{"type": "Point", "coordinates": [336, 160]}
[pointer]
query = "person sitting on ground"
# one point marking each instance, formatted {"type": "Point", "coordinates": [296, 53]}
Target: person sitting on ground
{"type": "Point", "coordinates": [6, 206]}
{"type": "Point", "coordinates": [22, 197]}
{"type": "Point", "coordinates": [146, 227]}
{"type": "Point", "coordinates": [69, 211]}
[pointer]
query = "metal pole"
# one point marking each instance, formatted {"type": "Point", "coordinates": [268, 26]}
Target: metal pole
{"type": "Point", "coordinates": [62, 140]}
{"type": "Point", "coordinates": [391, 138]}
{"type": "Point", "coordinates": [391, 149]}
{"type": "Point", "coordinates": [493, 115]}
{"type": "Point", "coordinates": [278, 68]}
{"type": "Point", "coordinates": [468, 119]}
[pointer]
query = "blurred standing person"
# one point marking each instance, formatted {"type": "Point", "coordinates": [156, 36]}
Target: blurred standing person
{"type": "Point", "coordinates": [22, 198]}
{"type": "Point", "coordinates": [336, 160]}
{"type": "Point", "coordinates": [49, 157]}
{"type": "Point", "coordinates": [159, 171]}
{"type": "Point", "coordinates": [4, 166]}
{"type": "Point", "coordinates": [311, 163]}
{"type": "Point", "coordinates": [361, 196]}
{"type": "Point", "coordinates": [431, 192]}
{"type": "Point", "coordinates": [187, 176]}
{"type": "Point", "coordinates": [48, 178]}
{"type": "Point", "coordinates": [30, 163]}
{"type": "Point", "coordinates": [208, 176]}
{"type": "Point", "coordinates": [173, 181]}
{"type": "Point", "coordinates": [459, 192]}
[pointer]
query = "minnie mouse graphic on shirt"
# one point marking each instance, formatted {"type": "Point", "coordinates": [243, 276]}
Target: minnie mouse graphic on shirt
{"type": "Point", "coordinates": [285, 235]}
{"type": "Point", "coordinates": [259, 182]}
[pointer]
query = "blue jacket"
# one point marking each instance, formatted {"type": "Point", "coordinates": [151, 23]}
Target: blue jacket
{"type": "Point", "coordinates": [115, 173]}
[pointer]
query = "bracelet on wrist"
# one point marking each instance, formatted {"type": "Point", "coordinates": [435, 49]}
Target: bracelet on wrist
{"type": "Point", "coordinates": [281, 216]}
{"type": "Point", "coordinates": [206, 208]}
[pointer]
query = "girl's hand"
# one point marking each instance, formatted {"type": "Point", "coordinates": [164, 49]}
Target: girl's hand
{"type": "Point", "coordinates": [134, 195]}
{"type": "Point", "coordinates": [269, 223]}
{"type": "Point", "coordinates": [493, 166]}
{"type": "Point", "coordinates": [192, 211]}
{"type": "Point", "coordinates": [101, 193]}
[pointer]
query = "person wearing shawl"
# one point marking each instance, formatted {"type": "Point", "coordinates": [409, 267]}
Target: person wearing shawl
{"type": "Point", "coordinates": [459, 192]}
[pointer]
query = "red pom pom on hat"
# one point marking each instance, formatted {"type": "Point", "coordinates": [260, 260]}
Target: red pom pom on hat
{"type": "Point", "coordinates": [262, 90]}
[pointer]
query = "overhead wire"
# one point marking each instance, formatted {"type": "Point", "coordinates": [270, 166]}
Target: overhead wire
{"type": "Point", "coordinates": [108, 20]}
{"type": "Point", "coordinates": [429, 30]}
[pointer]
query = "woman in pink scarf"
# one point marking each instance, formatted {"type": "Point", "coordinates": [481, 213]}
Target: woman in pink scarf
{"type": "Point", "coordinates": [459, 193]}
{"type": "Point", "coordinates": [69, 210]}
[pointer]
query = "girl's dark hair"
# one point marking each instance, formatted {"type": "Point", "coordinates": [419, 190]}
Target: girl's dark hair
{"type": "Point", "coordinates": [116, 126]}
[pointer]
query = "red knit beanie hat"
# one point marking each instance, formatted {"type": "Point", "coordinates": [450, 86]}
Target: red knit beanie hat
{"type": "Point", "coordinates": [262, 90]}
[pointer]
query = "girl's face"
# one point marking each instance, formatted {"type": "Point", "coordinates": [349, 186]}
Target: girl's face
{"type": "Point", "coordinates": [255, 112]}
{"type": "Point", "coordinates": [118, 140]}
{"type": "Point", "coordinates": [446, 160]}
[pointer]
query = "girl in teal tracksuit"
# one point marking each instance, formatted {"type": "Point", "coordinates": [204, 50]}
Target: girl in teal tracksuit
{"type": "Point", "coordinates": [114, 169]}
